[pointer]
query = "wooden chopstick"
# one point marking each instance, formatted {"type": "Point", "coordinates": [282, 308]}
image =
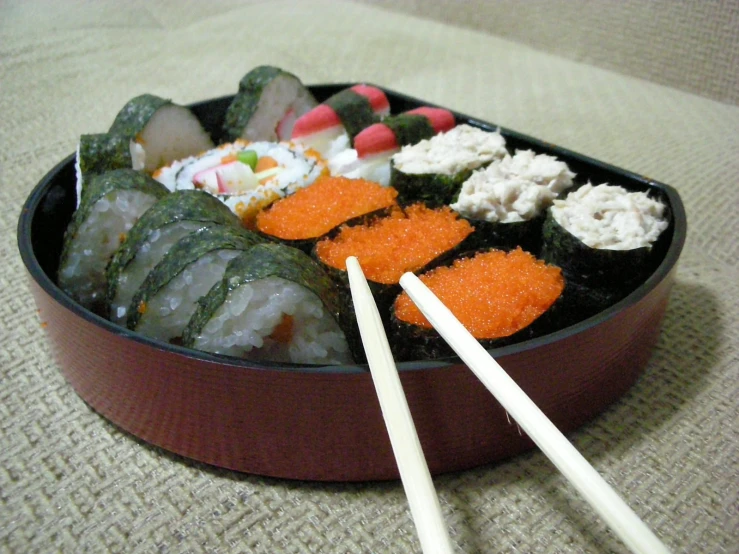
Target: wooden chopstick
{"type": "Point", "coordinates": [414, 472]}
{"type": "Point", "coordinates": [606, 502]}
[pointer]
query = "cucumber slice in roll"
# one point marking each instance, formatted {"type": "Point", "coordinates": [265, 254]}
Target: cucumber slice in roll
{"type": "Point", "coordinates": [268, 102]}
{"type": "Point", "coordinates": [112, 203]}
{"type": "Point", "coordinates": [161, 130]}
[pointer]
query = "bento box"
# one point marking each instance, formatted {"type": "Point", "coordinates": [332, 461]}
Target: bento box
{"type": "Point", "coordinates": [312, 422]}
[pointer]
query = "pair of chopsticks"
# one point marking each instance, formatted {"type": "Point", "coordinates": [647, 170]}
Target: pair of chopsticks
{"type": "Point", "coordinates": [414, 473]}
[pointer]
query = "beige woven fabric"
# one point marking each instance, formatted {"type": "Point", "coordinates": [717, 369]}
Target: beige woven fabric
{"type": "Point", "coordinates": [72, 482]}
{"type": "Point", "coordinates": [689, 45]}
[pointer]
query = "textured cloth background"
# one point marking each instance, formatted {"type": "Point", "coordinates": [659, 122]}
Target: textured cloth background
{"type": "Point", "coordinates": [72, 482]}
{"type": "Point", "coordinates": [689, 45]}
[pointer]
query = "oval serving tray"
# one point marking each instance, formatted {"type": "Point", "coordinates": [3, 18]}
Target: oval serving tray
{"type": "Point", "coordinates": [303, 422]}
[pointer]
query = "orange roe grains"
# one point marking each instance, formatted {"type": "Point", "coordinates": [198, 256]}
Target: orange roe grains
{"type": "Point", "coordinates": [330, 201]}
{"type": "Point", "coordinates": [403, 241]}
{"type": "Point", "coordinates": [494, 294]}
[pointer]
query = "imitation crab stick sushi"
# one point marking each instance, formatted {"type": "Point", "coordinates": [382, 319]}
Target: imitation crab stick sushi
{"type": "Point", "coordinates": [434, 169]}
{"type": "Point", "coordinates": [370, 157]}
{"type": "Point", "coordinates": [308, 215]}
{"type": "Point", "coordinates": [268, 103]}
{"type": "Point", "coordinates": [331, 126]}
{"type": "Point", "coordinates": [496, 295]}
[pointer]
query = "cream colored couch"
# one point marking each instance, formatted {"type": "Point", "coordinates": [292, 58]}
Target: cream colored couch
{"type": "Point", "coordinates": [692, 46]}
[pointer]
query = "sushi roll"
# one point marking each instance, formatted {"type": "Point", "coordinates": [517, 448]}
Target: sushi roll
{"type": "Point", "coordinates": [103, 152]}
{"type": "Point", "coordinates": [161, 130]}
{"type": "Point", "coordinates": [604, 235]}
{"type": "Point", "coordinates": [506, 201]}
{"type": "Point", "coordinates": [274, 303]}
{"type": "Point", "coordinates": [112, 203]}
{"type": "Point", "coordinates": [165, 301]}
{"type": "Point", "coordinates": [373, 146]}
{"type": "Point", "coordinates": [606, 239]}
{"type": "Point", "coordinates": [152, 236]}
{"type": "Point", "coordinates": [410, 239]}
{"type": "Point", "coordinates": [246, 176]}
{"type": "Point", "coordinates": [302, 219]}
{"type": "Point", "coordinates": [331, 126]}
{"type": "Point", "coordinates": [498, 296]}
{"type": "Point", "coordinates": [268, 103]}
{"type": "Point", "coordinates": [433, 170]}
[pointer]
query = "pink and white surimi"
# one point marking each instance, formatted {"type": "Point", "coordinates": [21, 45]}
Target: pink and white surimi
{"type": "Point", "coordinates": [322, 129]}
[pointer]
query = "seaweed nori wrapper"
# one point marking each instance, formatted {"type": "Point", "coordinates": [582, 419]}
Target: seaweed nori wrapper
{"type": "Point", "coordinates": [133, 117]}
{"type": "Point", "coordinates": [101, 185]}
{"type": "Point", "coordinates": [505, 236]}
{"type": "Point", "coordinates": [594, 267]}
{"type": "Point", "coordinates": [354, 110]}
{"type": "Point", "coordinates": [433, 189]}
{"type": "Point", "coordinates": [275, 260]}
{"type": "Point", "coordinates": [182, 205]}
{"type": "Point", "coordinates": [186, 251]}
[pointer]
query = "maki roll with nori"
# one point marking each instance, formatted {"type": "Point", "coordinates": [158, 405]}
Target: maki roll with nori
{"type": "Point", "coordinates": [500, 298]}
{"type": "Point", "coordinates": [176, 215]}
{"type": "Point", "coordinates": [268, 103]}
{"type": "Point", "coordinates": [274, 303]}
{"type": "Point", "coordinates": [165, 301]}
{"type": "Point", "coordinates": [408, 239]}
{"type": "Point", "coordinates": [161, 130]}
{"type": "Point", "coordinates": [246, 176]}
{"type": "Point", "coordinates": [112, 203]}
{"type": "Point", "coordinates": [433, 170]}
{"type": "Point", "coordinates": [311, 213]}
{"type": "Point", "coordinates": [506, 201]}
{"type": "Point", "coordinates": [604, 238]}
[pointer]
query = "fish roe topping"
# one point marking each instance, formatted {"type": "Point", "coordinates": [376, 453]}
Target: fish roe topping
{"type": "Point", "coordinates": [330, 201]}
{"type": "Point", "coordinates": [493, 294]}
{"type": "Point", "coordinates": [403, 241]}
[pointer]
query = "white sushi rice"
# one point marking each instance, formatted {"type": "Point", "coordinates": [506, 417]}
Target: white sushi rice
{"type": "Point", "coordinates": [515, 188]}
{"type": "Point", "coordinates": [345, 162]}
{"type": "Point", "coordinates": [461, 148]}
{"type": "Point", "coordinates": [610, 217]}
{"type": "Point", "coordinates": [169, 310]}
{"type": "Point", "coordinates": [297, 170]}
{"type": "Point", "coordinates": [82, 274]}
{"type": "Point", "coordinates": [242, 325]}
{"type": "Point", "coordinates": [150, 253]}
